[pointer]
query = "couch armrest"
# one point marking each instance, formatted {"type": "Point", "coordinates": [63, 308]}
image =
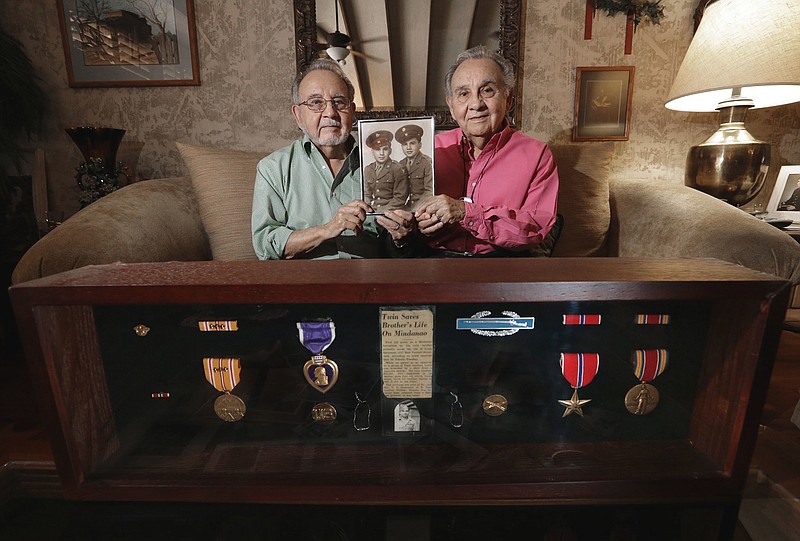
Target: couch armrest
{"type": "Point", "coordinates": [649, 219]}
{"type": "Point", "coordinates": [153, 220]}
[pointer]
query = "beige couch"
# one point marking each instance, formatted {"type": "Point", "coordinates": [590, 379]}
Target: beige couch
{"type": "Point", "coordinates": [207, 215]}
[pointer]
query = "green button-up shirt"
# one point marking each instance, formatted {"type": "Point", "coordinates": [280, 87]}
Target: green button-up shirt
{"type": "Point", "coordinates": [295, 190]}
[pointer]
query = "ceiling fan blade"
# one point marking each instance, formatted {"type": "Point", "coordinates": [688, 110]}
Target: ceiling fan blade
{"type": "Point", "coordinates": [377, 39]}
{"type": "Point", "coordinates": [367, 56]}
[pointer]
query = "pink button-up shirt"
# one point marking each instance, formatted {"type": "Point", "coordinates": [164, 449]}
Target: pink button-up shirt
{"type": "Point", "coordinates": [512, 186]}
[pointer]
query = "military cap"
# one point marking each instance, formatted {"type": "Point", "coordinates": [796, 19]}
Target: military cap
{"type": "Point", "coordinates": [379, 139]}
{"type": "Point", "coordinates": [409, 131]}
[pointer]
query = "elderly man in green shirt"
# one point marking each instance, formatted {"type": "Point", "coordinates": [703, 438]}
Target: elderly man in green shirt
{"type": "Point", "coordinates": [307, 197]}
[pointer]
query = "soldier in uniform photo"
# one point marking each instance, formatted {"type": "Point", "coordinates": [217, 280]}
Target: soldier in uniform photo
{"type": "Point", "coordinates": [385, 180]}
{"type": "Point", "coordinates": [405, 420]}
{"type": "Point", "coordinates": [419, 166]}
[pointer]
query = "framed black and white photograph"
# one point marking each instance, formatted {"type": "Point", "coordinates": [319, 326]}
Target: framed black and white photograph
{"type": "Point", "coordinates": [396, 162]}
{"type": "Point", "coordinates": [784, 203]}
{"type": "Point", "coordinates": [118, 43]}
{"type": "Point", "coordinates": [603, 98]}
{"type": "Point", "coordinates": [402, 417]}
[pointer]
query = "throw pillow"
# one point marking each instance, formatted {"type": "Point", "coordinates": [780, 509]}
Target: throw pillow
{"type": "Point", "coordinates": [583, 171]}
{"type": "Point", "coordinates": [223, 183]}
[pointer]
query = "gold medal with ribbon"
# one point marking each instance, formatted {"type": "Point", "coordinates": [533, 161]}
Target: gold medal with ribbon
{"type": "Point", "coordinates": [223, 374]}
{"type": "Point", "coordinates": [647, 365]}
{"type": "Point", "coordinates": [579, 369]}
{"type": "Point", "coordinates": [320, 372]}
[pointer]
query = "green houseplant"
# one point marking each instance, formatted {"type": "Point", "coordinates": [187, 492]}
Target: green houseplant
{"type": "Point", "coordinates": [22, 107]}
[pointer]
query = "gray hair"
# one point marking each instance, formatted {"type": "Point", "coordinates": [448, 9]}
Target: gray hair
{"type": "Point", "coordinates": [320, 64]}
{"type": "Point", "coordinates": [479, 52]}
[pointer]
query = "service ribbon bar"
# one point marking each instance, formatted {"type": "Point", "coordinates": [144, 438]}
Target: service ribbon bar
{"type": "Point", "coordinates": [581, 319]}
{"type": "Point", "coordinates": [222, 373]}
{"type": "Point", "coordinates": [648, 364]}
{"type": "Point", "coordinates": [652, 319]}
{"type": "Point", "coordinates": [206, 326]}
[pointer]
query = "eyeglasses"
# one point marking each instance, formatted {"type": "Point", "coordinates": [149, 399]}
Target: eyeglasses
{"type": "Point", "coordinates": [318, 105]}
{"type": "Point", "coordinates": [463, 95]}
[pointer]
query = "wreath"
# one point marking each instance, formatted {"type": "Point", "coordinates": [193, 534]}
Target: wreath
{"type": "Point", "coordinates": [640, 10]}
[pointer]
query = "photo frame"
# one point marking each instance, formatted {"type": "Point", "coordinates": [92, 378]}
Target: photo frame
{"type": "Point", "coordinates": [391, 176]}
{"type": "Point", "coordinates": [603, 97]}
{"type": "Point", "coordinates": [784, 202]}
{"type": "Point", "coordinates": [119, 43]}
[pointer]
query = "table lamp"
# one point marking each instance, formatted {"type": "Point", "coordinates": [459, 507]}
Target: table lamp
{"type": "Point", "coordinates": [745, 54]}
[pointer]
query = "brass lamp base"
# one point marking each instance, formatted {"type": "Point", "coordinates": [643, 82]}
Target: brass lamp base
{"type": "Point", "coordinates": [731, 164]}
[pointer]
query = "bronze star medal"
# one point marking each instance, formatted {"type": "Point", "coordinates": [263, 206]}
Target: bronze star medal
{"type": "Point", "coordinates": [579, 369]}
{"type": "Point", "coordinates": [574, 404]}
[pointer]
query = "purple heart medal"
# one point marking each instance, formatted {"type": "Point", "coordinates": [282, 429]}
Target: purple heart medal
{"type": "Point", "coordinates": [320, 372]}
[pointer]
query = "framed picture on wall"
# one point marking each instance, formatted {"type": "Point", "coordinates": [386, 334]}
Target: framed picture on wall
{"type": "Point", "coordinates": [784, 203]}
{"type": "Point", "coordinates": [116, 43]}
{"type": "Point", "coordinates": [603, 103]}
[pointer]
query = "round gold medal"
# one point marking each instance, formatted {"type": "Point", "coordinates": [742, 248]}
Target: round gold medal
{"type": "Point", "coordinates": [495, 405]}
{"type": "Point", "coordinates": [323, 413]}
{"type": "Point", "coordinates": [642, 399]}
{"type": "Point", "coordinates": [229, 407]}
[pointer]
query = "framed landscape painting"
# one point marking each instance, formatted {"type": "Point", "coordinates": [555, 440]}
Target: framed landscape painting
{"type": "Point", "coordinates": [603, 103]}
{"type": "Point", "coordinates": [115, 43]}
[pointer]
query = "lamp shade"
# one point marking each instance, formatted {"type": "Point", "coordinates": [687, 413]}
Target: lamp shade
{"type": "Point", "coordinates": [752, 45]}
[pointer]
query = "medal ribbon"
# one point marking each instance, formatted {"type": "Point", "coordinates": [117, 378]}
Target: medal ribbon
{"type": "Point", "coordinates": [222, 373]}
{"type": "Point", "coordinates": [316, 336]}
{"type": "Point", "coordinates": [648, 364]}
{"type": "Point", "coordinates": [581, 319]}
{"type": "Point", "coordinates": [579, 369]}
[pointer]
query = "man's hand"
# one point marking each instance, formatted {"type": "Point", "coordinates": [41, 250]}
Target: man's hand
{"type": "Point", "coordinates": [399, 224]}
{"type": "Point", "coordinates": [349, 216]}
{"type": "Point", "coordinates": [439, 211]}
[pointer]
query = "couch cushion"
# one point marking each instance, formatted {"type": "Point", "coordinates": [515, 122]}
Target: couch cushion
{"type": "Point", "coordinates": [223, 183]}
{"type": "Point", "coordinates": [583, 198]}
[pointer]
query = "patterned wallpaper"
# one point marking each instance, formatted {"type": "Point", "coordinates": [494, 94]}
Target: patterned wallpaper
{"type": "Point", "coordinates": [247, 65]}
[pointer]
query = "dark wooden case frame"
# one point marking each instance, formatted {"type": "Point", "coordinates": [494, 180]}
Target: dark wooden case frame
{"type": "Point", "coordinates": [56, 318]}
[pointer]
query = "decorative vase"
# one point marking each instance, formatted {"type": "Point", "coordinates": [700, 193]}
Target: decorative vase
{"type": "Point", "coordinates": [99, 173]}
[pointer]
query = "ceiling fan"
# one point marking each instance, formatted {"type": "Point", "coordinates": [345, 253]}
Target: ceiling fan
{"type": "Point", "coordinates": [337, 44]}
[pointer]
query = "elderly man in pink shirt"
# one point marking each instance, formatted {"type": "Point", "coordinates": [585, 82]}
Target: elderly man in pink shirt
{"type": "Point", "coordinates": [497, 188]}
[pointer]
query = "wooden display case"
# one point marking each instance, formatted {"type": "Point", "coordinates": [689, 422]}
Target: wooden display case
{"type": "Point", "coordinates": [131, 415]}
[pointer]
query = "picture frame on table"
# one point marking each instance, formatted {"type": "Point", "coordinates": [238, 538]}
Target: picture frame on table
{"type": "Point", "coordinates": [603, 97]}
{"type": "Point", "coordinates": [784, 202]}
{"type": "Point", "coordinates": [121, 43]}
{"type": "Point", "coordinates": [404, 178]}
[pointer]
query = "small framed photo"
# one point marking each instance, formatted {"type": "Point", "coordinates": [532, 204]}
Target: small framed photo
{"type": "Point", "coordinates": [784, 203]}
{"type": "Point", "coordinates": [396, 162]}
{"type": "Point", "coordinates": [402, 417]}
{"type": "Point", "coordinates": [116, 43]}
{"type": "Point", "coordinates": [603, 103]}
